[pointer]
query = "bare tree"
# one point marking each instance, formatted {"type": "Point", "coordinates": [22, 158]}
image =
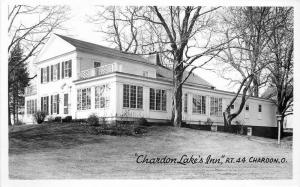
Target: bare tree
{"type": "Point", "coordinates": [281, 50]}
{"type": "Point", "coordinates": [246, 53]}
{"type": "Point", "coordinates": [182, 34]}
{"type": "Point", "coordinates": [28, 28]}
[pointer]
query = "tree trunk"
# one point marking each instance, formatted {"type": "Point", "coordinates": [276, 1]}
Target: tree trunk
{"type": "Point", "coordinates": [177, 95]}
{"type": "Point", "coordinates": [177, 106]}
{"type": "Point", "coordinates": [14, 108]}
{"type": "Point", "coordinates": [255, 87]}
{"type": "Point", "coordinates": [9, 116]}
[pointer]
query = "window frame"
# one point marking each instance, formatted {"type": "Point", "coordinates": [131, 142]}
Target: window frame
{"type": "Point", "coordinates": [260, 108]}
{"type": "Point", "coordinates": [160, 95]}
{"type": "Point", "coordinates": [216, 106]}
{"type": "Point", "coordinates": [67, 69]}
{"type": "Point", "coordinates": [102, 100]}
{"type": "Point", "coordinates": [201, 108]}
{"type": "Point", "coordinates": [84, 102]}
{"type": "Point", "coordinates": [185, 103]}
{"type": "Point", "coordinates": [132, 97]}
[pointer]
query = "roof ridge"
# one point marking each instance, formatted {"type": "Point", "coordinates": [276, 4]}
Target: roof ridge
{"type": "Point", "coordinates": [102, 46]}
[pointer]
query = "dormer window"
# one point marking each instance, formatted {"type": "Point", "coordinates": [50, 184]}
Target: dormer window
{"type": "Point", "coordinates": [247, 107]}
{"type": "Point", "coordinates": [97, 64]}
{"type": "Point", "coordinates": [259, 108]}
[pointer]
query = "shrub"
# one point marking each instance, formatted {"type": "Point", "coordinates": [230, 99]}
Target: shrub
{"type": "Point", "coordinates": [93, 120]}
{"type": "Point", "coordinates": [140, 130]}
{"type": "Point", "coordinates": [67, 119]}
{"type": "Point", "coordinates": [18, 123]}
{"type": "Point", "coordinates": [209, 122]}
{"type": "Point", "coordinates": [51, 119]}
{"type": "Point", "coordinates": [39, 116]}
{"type": "Point", "coordinates": [57, 119]}
{"type": "Point", "coordinates": [141, 122]}
{"type": "Point", "coordinates": [79, 120]}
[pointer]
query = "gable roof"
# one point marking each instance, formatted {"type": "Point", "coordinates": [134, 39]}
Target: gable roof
{"type": "Point", "coordinates": [162, 71]}
{"type": "Point", "coordinates": [88, 47]}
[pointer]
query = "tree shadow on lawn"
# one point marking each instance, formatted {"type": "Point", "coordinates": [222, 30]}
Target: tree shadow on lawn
{"type": "Point", "coordinates": [49, 137]}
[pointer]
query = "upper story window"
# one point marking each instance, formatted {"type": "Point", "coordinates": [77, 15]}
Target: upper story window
{"type": "Point", "coordinates": [97, 64]}
{"type": "Point", "coordinates": [55, 74]}
{"type": "Point", "coordinates": [259, 108]}
{"type": "Point", "coordinates": [199, 104]}
{"type": "Point", "coordinates": [66, 69]}
{"type": "Point", "coordinates": [158, 99]}
{"type": "Point", "coordinates": [215, 106]}
{"type": "Point", "coordinates": [185, 105]}
{"type": "Point", "coordinates": [132, 96]}
{"type": "Point", "coordinates": [247, 107]}
{"type": "Point", "coordinates": [84, 99]}
{"type": "Point", "coordinates": [232, 106]}
{"type": "Point", "coordinates": [45, 74]}
{"type": "Point", "coordinates": [102, 98]}
{"type": "Point", "coordinates": [52, 73]}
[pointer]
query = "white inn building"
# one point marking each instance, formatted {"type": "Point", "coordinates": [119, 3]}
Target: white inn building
{"type": "Point", "coordinates": [77, 78]}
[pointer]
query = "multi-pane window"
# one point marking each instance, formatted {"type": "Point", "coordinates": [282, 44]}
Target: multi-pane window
{"type": "Point", "coordinates": [67, 69]}
{"type": "Point", "coordinates": [247, 107]}
{"type": "Point", "coordinates": [139, 103]}
{"type": "Point", "coordinates": [158, 99]}
{"type": "Point", "coordinates": [102, 98]}
{"type": "Point", "coordinates": [126, 95]}
{"type": "Point", "coordinates": [84, 99]}
{"type": "Point", "coordinates": [97, 64]}
{"type": "Point", "coordinates": [259, 108]}
{"type": "Point", "coordinates": [55, 104]}
{"type": "Point", "coordinates": [45, 104]}
{"type": "Point", "coordinates": [44, 75]}
{"type": "Point", "coordinates": [55, 72]}
{"type": "Point", "coordinates": [185, 100]}
{"type": "Point", "coordinates": [215, 106]}
{"type": "Point", "coordinates": [132, 96]}
{"type": "Point", "coordinates": [199, 104]}
{"type": "Point", "coordinates": [31, 106]}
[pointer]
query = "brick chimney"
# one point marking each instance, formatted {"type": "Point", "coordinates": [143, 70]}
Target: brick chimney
{"type": "Point", "coordinates": [158, 60]}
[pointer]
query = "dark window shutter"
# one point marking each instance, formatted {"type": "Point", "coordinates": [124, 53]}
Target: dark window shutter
{"type": "Point", "coordinates": [51, 104]}
{"type": "Point", "coordinates": [51, 72]}
{"type": "Point", "coordinates": [42, 104]}
{"type": "Point", "coordinates": [58, 71]}
{"type": "Point", "coordinates": [70, 66]}
{"type": "Point", "coordinates": [48, 73]}
{"type": "Point", "coordinates": [41, 75]}
{"type": "Point", "coordinates": [57, 101]}
{"type": "Point", "coordinates": [62, 70]}
{"type": "Point", "coordinates": [47, 108]}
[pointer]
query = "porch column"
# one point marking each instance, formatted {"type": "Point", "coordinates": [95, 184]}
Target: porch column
{"type": "Point", "coordinates": [208, 105]}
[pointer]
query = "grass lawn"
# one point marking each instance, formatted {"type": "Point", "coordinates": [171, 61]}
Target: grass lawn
{"type": "Point", "coordinates": [67, 151]}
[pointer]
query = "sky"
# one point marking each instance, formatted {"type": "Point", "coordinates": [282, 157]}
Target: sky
{"type": "Point", "coordinates": [78, 27]}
